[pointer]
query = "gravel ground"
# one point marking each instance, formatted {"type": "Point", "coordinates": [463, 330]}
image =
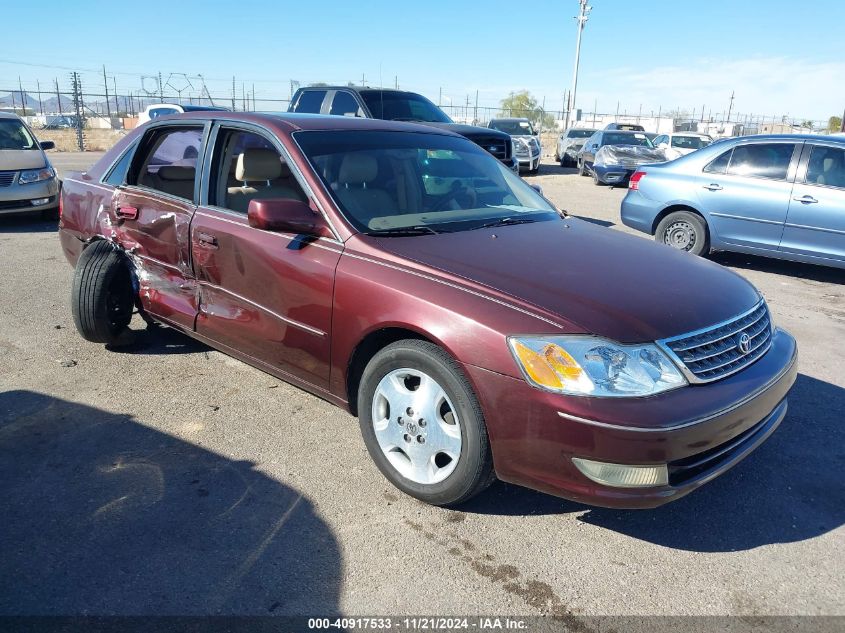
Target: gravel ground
{"type": "Point", "coordinates": [171, 479]}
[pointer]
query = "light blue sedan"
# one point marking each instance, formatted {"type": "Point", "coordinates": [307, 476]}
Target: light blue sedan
{"type": "Point", "coordinates": [776, 195]}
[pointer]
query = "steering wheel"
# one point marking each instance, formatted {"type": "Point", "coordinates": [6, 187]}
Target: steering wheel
{"type": "Point", "coordinates": [466, 197]}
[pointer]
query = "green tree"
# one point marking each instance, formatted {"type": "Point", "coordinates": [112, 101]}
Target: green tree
{"type": "Point", "coordinates": [834, 124]}
{"type": "Point", "coordinates": [807, 124]}
{"type": "Point", "coordinates": [521, 104]}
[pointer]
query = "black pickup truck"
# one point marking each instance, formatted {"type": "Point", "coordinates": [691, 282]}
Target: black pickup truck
{"type": "Point", "coordinates": [397, 105]}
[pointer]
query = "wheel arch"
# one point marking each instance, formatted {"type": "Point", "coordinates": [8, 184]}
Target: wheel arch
{"type": "Point", "coordinates": [672, 208]}
{"type": "Point", "coordinates": [370, 345]}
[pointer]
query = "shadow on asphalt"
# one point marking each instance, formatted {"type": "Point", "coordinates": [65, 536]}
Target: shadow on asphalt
{"type": "Point", "coordinates": [104, 515]}
{"type": "Point", "coordinates": [782, 267]}
{"type": "Point", "coordinates": [158, 340]}
{"type": "Point", "coordinates": [27, 223]}
{"type": "Point", "coordinates": [790, 489]}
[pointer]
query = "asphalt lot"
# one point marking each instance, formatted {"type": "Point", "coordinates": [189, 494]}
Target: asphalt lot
{"type": "Point", "coordinates": [171, 479]}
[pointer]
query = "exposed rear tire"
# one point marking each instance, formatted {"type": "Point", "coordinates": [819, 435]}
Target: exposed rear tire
{"type": "Point", "coordinates": [103, 298]}
{"type": "Point", "coordinates": [686, 231]}
{"type": "Point", "coordinates": [422, 424]}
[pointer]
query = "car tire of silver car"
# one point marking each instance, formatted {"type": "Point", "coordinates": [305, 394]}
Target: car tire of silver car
{"type": "Point", "coordinates": [103, 299]}
{"type": "Point", "coordinates": [686, 231]}
{"type": "Point", "coordinates": [422, 424]}
{"type": "Point", "coordinates": [582, 169]}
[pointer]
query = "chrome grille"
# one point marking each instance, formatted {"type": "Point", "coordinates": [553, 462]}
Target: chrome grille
{"type": "Point", "coordinates": [7, 178]}
{"type": "Point", "coordinates": [717, 352]}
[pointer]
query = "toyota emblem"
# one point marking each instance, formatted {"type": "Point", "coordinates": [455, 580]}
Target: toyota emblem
{"type": "Point", "coordinates": [744, 344]}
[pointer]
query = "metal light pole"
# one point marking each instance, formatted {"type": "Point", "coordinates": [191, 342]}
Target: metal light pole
{"type": "Point", "coordinates": [582, 18]}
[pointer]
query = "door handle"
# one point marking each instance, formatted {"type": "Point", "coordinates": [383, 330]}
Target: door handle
{"type": "Point", "coordinates": [127, 213]}
{"type": "Point", "coordinates": [806, 200]}
{"type": "Point", "coordinates": [207, 240]}
{"type": "Point", "coordinates": [713, 187]}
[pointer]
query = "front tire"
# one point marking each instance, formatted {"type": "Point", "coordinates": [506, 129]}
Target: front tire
{"type": "Point", "coordinates": [686, 231]}
{"type": "Point", "coordinates": [422, 424]}
{"type": "Point", "coordinates": [582, 169]}
{"type": "Point", "coordinates": [103, 298]}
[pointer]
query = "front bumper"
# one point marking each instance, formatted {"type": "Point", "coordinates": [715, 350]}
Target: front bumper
{"type": "Point", "coordinates": [699, 431]}
{"type": "Point", "coordinates": [528, 162]}
{"type": "Point", "coordinates": [18, 198]}
{"type": "Point", "coordinates": [613, 174]}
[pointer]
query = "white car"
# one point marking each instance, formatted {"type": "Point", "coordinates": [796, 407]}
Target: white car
{"type": "Point", "coordinates": [165, 109]}
{"type": "Point", "coordinates": [680, 143]}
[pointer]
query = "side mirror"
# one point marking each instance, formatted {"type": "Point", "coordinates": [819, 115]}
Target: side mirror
{"type": "Point", "coordinates": [286, 215]}
{"type": "Point", "coordinates": [47, 145]}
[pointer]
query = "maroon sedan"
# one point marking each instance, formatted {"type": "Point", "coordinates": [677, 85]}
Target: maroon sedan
{"type": "Point", "coordinates": [404, 274]}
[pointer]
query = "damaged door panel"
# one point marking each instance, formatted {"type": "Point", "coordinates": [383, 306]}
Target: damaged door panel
{"type": "Point", "coordinates": [150, 218]}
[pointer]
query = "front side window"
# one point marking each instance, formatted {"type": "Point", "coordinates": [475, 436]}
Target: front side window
{"type": "Point", "coordinates": [719, 165]}
{"type": "Point", "coordinates": [14, 135]}
{"type": "Point", "coordinates": [169, 162]}
{"type": "Point", "coordinates": [579, 133]}
{"type": "Point", "coordinates": [344, 104]}
{"type": "Point", "coordinates": [660, 139]}
{"type": "Point", "coordinates": [399, 182]}
{"type": "Point", "coordinates": [310, 101]}
{"type": "Point", "coordinates": [826, 167]}
{"type": "Point", "coordinates": [247, 166]}
{"type": "Point", "coordinates": [762, 160]}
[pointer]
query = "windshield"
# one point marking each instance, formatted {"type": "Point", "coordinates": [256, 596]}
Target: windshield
{"type": "Point", "coordinates": [690, 142]}
{"type": "Point", "coordinates": [402, 106]}
{"type": "Point", "coordinates": [14, 135]}
{"type": "Point", "coordinates": [616, 138]}
{"type": "Point", "coordinates": [580, 133]}
{"type": "Point", "coordinates": [387, 182]}
{"type": "Point", "coordinates": [514, 128]}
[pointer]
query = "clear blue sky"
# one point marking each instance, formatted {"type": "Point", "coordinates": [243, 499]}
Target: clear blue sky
{"type": "Point", "coordinates": [780, 57]}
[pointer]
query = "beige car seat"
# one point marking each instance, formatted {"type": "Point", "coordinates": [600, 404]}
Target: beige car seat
{"type": "Point", "coordinates": [263, 175]}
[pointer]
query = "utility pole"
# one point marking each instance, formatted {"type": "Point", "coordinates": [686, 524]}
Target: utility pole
{"type": "Point", "coordinates": [58, 95]}
{"type": "Point", "coordinates": [475, 113]}
{"type": "Point", "coordinates": [106, 86]}
{"type": "Point", "coordinates": [78, 108]}
{"type": "Point", "coordinates": [23, 96]}
{"type": "Point", "coordinates": [116, 104]}
{"type": "Point", "coordinates": [363, 79]}
{"type": "Point", "coordinates": [396, 81]}
{"type": "Point", "coordinates": [253, 97]}
{"type": "Point", "coordinates": [40, 103]}
{"type": "Point", "coordinates": [233, 93]}
{"type": "Point", "coordinates": [583, 13]}
{"type": "Point", "coordinates": [730, 107]}
{"type": "Point", "coordinates": [440, 98]}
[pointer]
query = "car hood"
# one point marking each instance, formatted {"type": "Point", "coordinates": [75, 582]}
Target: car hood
{"type": "Point", "coordinates": [17, 159]}
{"type": "Point", "coordinates": [623, 287]}
{"type": "Point", "coordinates": [466, 130]}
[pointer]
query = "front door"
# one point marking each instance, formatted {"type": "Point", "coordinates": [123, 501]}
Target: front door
{"type": "Point", "coordinates": [746, 192]}
{"type": "Point", "coordinates": [815, 225]}
{"type": "Point", "coordinates": [265, 294]}
{"type": "Point", "coordinates": [151, 215]}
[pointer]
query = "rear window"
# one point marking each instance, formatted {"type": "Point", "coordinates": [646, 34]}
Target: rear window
{"type": "Point", "coordinates": [690, 142]}
{"type": "Point", "coordinates": [310, 101]}
{"type": "Point", "coordinates": [614, 138]}
{"type": "Point", "coordinates": [762, 160]}
{"type": "Point", "coordinates": [579, 133]}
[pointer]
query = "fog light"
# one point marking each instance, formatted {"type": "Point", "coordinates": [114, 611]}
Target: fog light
{"type": "Point", "coordinates": [38, 201]}
{"type": "Point", "coordinates": [623, 475]}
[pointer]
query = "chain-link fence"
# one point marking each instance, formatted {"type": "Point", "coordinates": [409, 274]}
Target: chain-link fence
{"type": "Point", "coordinates": [85, 111]}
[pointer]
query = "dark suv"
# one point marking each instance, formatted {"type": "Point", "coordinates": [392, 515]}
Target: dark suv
{"type": "Point", "coordinates": [397, 105]}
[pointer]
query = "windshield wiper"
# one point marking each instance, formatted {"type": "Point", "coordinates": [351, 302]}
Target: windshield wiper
{"type": "Point", "coordinates": [406, 230]}
{"type": "Point", "coordinates": [504, 222]}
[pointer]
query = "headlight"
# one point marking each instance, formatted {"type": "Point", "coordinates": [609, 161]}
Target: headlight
{"type": "Point", "coordinates": [36, 175]}
{"type": "Point", "coordinates": [592, 366]}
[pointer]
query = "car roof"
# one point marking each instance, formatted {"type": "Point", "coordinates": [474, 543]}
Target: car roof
{"type": "Point", "coordinates": [788, 137]}
{"type": "Point", "coordinates": [513, 119]}
{"type": "Point", "coordinates": [295, 122]}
